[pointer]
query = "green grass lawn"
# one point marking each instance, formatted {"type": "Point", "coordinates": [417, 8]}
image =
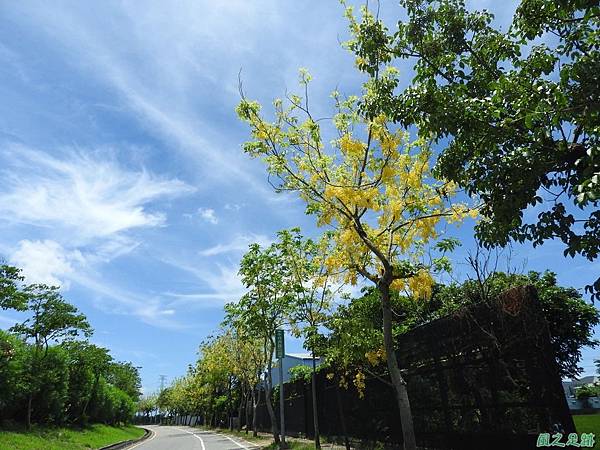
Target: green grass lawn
{"type": "Point", "coordinates": [588, 424]}
{"type": "Point", "coordinates": [93, 437]}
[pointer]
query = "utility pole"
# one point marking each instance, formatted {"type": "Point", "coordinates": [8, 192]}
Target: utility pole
{"type": "Point", "coordinates": [162, 388]}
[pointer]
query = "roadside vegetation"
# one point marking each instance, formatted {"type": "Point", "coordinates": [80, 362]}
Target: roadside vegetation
{"type": "Point", "coordinates": [49, 438]}
{"type": "Point", "coordinates": [51, 375]}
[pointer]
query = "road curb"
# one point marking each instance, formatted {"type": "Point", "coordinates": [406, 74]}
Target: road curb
{"type": "Point", "coordinates": [125, 444]}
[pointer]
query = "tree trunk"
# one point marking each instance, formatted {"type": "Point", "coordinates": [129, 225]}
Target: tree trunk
{"type": "Point", "coordinates": [82, 418]}
{"type": "Point", "coordinates": [249, 402]}
{"type": "Point", "coordinates": [270, 409]}
{"type": "Point", "coordinates": [29, 402]}
{"type": "Point", "coordinates": [314, 402]}
{"type": "Point", "coordinates": [240, 408]}
{"type": "Point", "coordinates": [229, 405]}
{"type": "Point", "coordinates": [254, 413]}
{"type": "Point", "coordinates": [342, 416]}
{"type": "Point", "coordinates": [406, 419]}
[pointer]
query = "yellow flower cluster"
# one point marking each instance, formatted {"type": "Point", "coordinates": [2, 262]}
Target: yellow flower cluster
{"type": "Point", "coordinates": [378, 126]}
{"type": "Point", "coordinates": [359, 383]}
{"type": "Point", "coordinates": [375, 356]}
{"type": "Point", "coordinates": [396, 202]}
{"type": "Point", "coordinates": [389, 144]}
{"type": "Point", "coordinates": [337, 261]}
{"type": "Point", "coordinates": [413, 178]}
{"type": "Point", "coordinates": [264, 131]}
{"type": "Point", "coordinates": [343, 381]}
{"type": "Point", "coordinates": [426, 228]}
{"type": "Point", "coordinates": [351, 147]}
{"type": "Point", "coordinates": [421, 285]}
{"type": "Point", "coordinates": [353, 197]}
{"type": "Point", "coordinates": [360, 61]}
{"type": "Point", "coordinates": [460, 212]}
{"type": "Point", "coordinates": [388, 174]}
{"type": "Point", "coordinates": [398, 284]}
{"type": "Point", "coordinates": [332, 263]}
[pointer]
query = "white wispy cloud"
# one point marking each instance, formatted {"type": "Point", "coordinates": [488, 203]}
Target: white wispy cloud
{"type": "Point", "coordinates": [208, 215]}
{"type": "Point", "coordinates": [217, 284]}
{"type": "Point", "coordinates": [82, 193]}
{"type": "Point", "coordinates": [115, 300]}
{"type": "Point", "coordinates": [176, 50]}
{"type": "Point", "coordinates": [222, 279]}
{"type": "Point", "coordinates": [233, 206]}
{"type": "Point", "coordinates": [88, 207]}
{"type": "Point", "coordinates": [46, 262]}
{"type": "Point", "coordinates": [200, 301]}
{"type": "Point", "coordinates": [239, 243]}
{"type": "Point", "coordinates": [115, 247]}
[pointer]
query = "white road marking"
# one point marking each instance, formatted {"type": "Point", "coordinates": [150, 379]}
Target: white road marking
{"type": "Point", "coordinates": [144, 441]}
{"type": "Point", "coordinates": [236, 443]}
{"type": "Point", "coordinates": [196, 436]}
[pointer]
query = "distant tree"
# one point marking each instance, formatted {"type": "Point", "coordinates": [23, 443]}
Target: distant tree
{"type": "Point", "coordinates": [313, 293]}
{"type": "Point", "coordinates": [301, 372]}
{"type": "Point", "coordinates": [247, 358]}
{"type": "Point", "coordinates": [88, 364]}
{"type": "Point", "coordinates": [47, 374]}
{"type": "Point", "coordinates": [218, 365]}
{"type": "Point", "coordinates": [180, 397]}
{"type": "Point", "coordinates": [126, 377]}
{"type": "Point", "coordinates": [147, 405]}
{"type": "Point", "coordinates": [51, 319]}
{"type": "Point", "coordinates": [264, 308]}
{"type": "Point", "coordinates": [110, 405]}
{"type": "Point", "coordinates": [586, 392]}
{"type": "Point", "coordinates": [13, 362]}
{"type": "Point", "coordinates": [164, 400]}
{"type": "Point", "coordinates": [51, 383]}
{"type": "Point", "coordinates": [11, 296]}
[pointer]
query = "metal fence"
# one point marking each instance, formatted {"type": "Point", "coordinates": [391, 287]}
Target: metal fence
{"type": "Point", "coordinates": [484, 377]}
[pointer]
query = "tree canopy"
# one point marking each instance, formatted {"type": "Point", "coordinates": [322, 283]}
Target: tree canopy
{"type": "Point", "coordinates": [516, 112]}
{"type": "Point", "coordinates": [49, 372]}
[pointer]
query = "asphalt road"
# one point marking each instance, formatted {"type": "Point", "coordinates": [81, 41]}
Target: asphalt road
{"type": "Point", "coordinates": [187, 438]}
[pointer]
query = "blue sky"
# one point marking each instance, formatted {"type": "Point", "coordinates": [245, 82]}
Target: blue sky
{"type": "Point", "coordinates": [122, 174]}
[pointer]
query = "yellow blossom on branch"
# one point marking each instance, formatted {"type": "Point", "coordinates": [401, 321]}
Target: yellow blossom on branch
{"type": "Point", "coordinates": [376, 190]}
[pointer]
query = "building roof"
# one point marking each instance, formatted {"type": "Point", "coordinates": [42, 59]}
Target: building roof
{"type": "Point", "coordinates": [300, 355]}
